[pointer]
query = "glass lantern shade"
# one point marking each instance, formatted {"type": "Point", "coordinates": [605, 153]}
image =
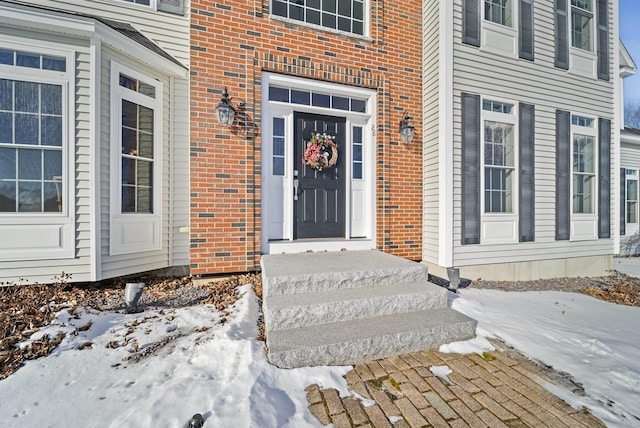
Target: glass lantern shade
{"type": "Point", "coordinates": [226, 113]}
{"type": "Point", "coordinates": [406, 132]}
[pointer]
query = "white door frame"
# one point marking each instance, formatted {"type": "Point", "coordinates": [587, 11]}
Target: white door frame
{"type": "Point", "coordinates": [277, 190]}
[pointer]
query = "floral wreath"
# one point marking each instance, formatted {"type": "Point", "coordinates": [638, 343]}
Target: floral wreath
{"type": "Point", "coordinates": [321, 152]}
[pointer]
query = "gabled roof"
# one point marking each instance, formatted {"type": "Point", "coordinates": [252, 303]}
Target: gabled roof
{"type": "Point", "coordinates": [63, 19]}
{"type": "Point", "coordinates": [135, 35]}
{"type": "Point", "coordinates": [627, 66]}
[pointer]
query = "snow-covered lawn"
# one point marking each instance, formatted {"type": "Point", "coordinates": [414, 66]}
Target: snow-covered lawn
{"type": "Point", "coordinates": [221, 371]}
{"type": "Point", "coordinates": [596, 342]}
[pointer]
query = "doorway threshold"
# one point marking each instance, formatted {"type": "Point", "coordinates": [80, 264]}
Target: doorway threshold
{"type": "Point", "coordinates": [321, 244]}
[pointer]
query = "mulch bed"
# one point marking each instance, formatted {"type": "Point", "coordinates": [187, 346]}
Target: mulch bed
{"type": "Point", "coordinates": [24, 309]}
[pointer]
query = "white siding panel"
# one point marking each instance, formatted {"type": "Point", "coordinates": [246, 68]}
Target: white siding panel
{"type": "Point", "coordinates": [174, 250]}
{"type": "Point", "coordinates": [169, 31]}
{"type": "Point", "coordinates": [430, 114]}
{"type": "Point", "coordinates": [541, 84]}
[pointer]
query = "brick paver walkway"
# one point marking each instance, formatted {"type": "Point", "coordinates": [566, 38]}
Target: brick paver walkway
{"type": "Point", "coordinates": [496, 391]}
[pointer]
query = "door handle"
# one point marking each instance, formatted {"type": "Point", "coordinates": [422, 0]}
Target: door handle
{"type": "Point", "coordinates": [295, 189]}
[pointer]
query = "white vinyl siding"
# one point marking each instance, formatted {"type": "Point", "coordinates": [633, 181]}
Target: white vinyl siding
{"type": "Point", "coordinates": [169, 31]}
{"type": "Point", "coordinates": [173, 244]}
{"type": "Point", "coordinates": [547, 88]}
{"type": "Point", "coordinates": [431, 120]}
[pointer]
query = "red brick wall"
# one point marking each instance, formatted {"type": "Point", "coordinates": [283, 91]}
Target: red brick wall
{"type": "Point", "coordinates": [232, 43]}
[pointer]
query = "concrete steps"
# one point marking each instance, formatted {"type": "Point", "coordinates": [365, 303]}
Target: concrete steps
{"type": "Point", "coordinates": [346, 307]}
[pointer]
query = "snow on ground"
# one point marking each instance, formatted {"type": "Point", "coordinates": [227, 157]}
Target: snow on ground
{"type": "Point", "coordinates": [222, 372]}
{"type": "Point", "coordinates": [596, 342]}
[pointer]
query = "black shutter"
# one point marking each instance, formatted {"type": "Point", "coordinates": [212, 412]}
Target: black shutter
{"type": "Point", "coordinates": [623, 201]}
{"type": "Point", "coordinates": [604, 179]}
{"type": "Point", "coordinates": [171, 6]}
{"type": "Point", "coordinates": [470, 169]}
{"type": "Point", "coordinates": [527, 173]}
{"type": "Point", "coordinates": [471, 22]}
{"type": "Point", "coordinates": [603, 39]}
{"type": "Point", "coordinates": [563, 174]}
{"type": "Point", "coordinates": [525, 29]}
{"type": "Point", "coordinates": [562, 39]}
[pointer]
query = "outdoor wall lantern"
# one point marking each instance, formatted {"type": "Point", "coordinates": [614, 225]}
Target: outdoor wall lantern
{"type": "Point", "coordinates": [224, 109]}
{"type": "Point", "coordinates": [407, 130]}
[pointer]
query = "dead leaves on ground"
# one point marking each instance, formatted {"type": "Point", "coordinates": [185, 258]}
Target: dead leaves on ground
{"type": "Point", "coordinates": [25, 308]}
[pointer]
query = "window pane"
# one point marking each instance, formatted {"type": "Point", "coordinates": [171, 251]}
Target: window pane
{"type": "Point", "coordinates": [26, 128]}
{"type": "Point", "coordinates": [296, 12]}
{"type": "Point", "coordinates": [52, 164]}
{"type": "Point", "coordinates": [147, 90]}
{"type": "Point", "coordinates": [145, 200]}
{"type": "Point", "coordinates": [54, 63]}
{"type": "Point", "coordinates": [27, 97]}
{"type": "Point", "coordinates": [583, 155]}
{"type": "Point", "coordinates": [51, 131]}
{"type": "Point", "coordinates": [7, 164]}
{"type": "Point", "coordinates": [128, 199]}
{"type": "Point", "coordinates": [313, 16]}
{"type": "Point", "coordinates": [359, 106]}
{"type": "Point", "coordinates": [129, 142]}
{"type": "Point", "coordinates": [278, 94]}
{"type": "Point", "coordinates": [341, 103]}
{"type": "Point", "coordinates": [6, 57]}
{"type": "Point", "coordinates": [8, 196]}
{"type": "Point", "coordinates": [632, 212]}
{"type": "Point", "coordinates": [52, 197]}
{"type": "Point", "coordinates": [129, 114]}
{"type": "Point", "coordinates": [145, 173]}
{"type": "Point", "coordinates": [357, 171]}
{"type": "Point", "coordinates": [583, 194]}
{"type": "Point", "coordinates": [300, 97]}
{"type": "Point", "coordinates": [344, 24]}
{"type": "Point", "coordinates": [128, 82]}
{"type": "Point", "coordinates": [358, 10]}
{"type": "Point", "coordinates": [321, 100]}
{"type": "Point", "coordinates": [24, 59]}
{"type": "Point", "coordinates": [328, 20]}
{"type": "Point", "coordinates": [329, 6]}
{"type": "Point", "coordinates": [279, 8]}
{"type": "Point", "coordinates": [278, 166]}
{"type": "Point", "coordinates": [344, 7]}
{"type": "Point", "coordinates": [128, 171]}
{"type": "Point", "coordinates": [145, 145]}
{"type": "Point", "coordinates": [29, 196]}
{"type": "Point", "coordinates": [358, 27]}
{"type": "Point", "coordinates": [29, 164]}
{"type": "Point", "coordinates": [6, 94]}
{"type": "Point", "coordinates": [6, 128]}
{"type": "Point", "coordinates": [145, 119]}
{"type": "Point", "coordinates": [51, 99]}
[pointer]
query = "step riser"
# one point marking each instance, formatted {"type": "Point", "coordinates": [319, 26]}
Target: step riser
{"type": "Point", "coordinates": [371, 348]}
{"type": "Point", "coordinates": [331, 281]}
{"type": "Point", "coordinates": [346, 310]}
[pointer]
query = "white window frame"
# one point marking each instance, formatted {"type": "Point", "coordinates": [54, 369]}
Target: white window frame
{"type": "Point", "coordinates": [134, 232]}
{"type": "Point", "coordinates": [632, 174]}
{"type": "Point", "coordinates": [153, 4]}
{"type": "Point", "coordinates": [498, 38]}
{"type": "Point", "coordinates": [590, 14]}
{"type": "Point", "coordinates": [584, 226]}
{"type": "Point", "coordinates": [490, 3]}
{"type": "Point", "coordinates": [365, 22]}
{"type": "Point", "coordinates": [500, 228]}
{"type": "Point", "coordinates": [277, 202]}
{"type": "Point", "coordinates": [582, 62]}
{"type": "Point", "coordinates": [44, 235]}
